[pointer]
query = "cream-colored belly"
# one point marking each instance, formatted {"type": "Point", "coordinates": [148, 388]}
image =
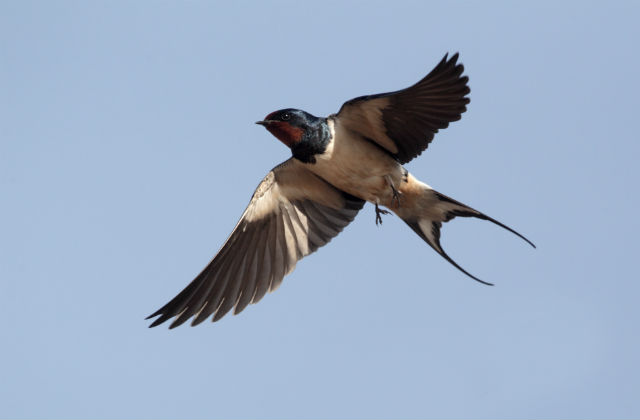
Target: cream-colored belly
{"type": "Point", "coordinates": [358, 167]}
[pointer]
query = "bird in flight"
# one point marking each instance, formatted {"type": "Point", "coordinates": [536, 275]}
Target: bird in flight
{"type": "Point", "coordinates": [338, 163]}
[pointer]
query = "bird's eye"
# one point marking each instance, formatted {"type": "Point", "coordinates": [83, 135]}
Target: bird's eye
{"type": "Point", "coordinates": [285, 117]}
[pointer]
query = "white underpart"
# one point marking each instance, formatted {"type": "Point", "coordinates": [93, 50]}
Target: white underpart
{"type": "Point", "coordinates": [356, 165]}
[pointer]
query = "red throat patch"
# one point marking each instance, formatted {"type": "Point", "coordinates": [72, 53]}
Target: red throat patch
{"type": "Point", "coordinates": [285, 132]}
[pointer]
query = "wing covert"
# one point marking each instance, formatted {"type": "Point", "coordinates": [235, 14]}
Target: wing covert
{"type": "Point", "coordinates": [404, 122]}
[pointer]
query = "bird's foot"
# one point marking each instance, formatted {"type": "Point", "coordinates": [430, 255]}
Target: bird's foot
{"type": "Point", "coordinates": [396, 196]}
{"type": "Point", "coordinates": [379, 212]}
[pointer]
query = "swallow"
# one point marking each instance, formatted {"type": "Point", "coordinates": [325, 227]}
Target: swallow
{"type": "Point", "coordinates": [338, 163]}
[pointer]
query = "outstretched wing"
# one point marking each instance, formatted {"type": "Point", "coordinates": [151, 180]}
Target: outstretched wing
{"type": "Point", "coordinates": [404, 122]}
{"type": "Point", "coordinates": [291, 214]}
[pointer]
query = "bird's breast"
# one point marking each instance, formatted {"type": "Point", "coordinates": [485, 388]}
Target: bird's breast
{"type": "Point", "coordinates": [355, 165]}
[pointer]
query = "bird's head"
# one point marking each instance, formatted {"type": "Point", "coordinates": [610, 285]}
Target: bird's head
{"type": "Point", "coordinates": [289, 125]}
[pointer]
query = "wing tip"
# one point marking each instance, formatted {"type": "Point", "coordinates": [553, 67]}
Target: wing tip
{"type": "Point", "coordinates": [156, 322]}
{"type": "Point", "coordinates": [453, 60]}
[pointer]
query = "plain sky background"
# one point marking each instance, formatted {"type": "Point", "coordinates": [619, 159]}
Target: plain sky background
{"type": "Point", "coordinates": [128, 151]}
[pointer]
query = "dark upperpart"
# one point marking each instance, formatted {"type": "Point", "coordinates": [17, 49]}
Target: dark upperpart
{"type": "Point", "coordinates": [305, 134]}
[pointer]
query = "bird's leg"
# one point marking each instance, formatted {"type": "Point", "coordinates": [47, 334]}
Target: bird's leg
{"type": "Point", "coordinates": [394, 190]}
{"type": "Point", "coordinates": [378, 213]}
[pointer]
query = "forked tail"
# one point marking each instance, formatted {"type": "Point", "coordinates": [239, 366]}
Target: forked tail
{"type": "Point", "coordinates": [430, 209]}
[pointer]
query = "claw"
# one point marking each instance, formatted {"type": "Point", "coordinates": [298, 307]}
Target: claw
{"type": "Point", "coordinates": [396, 197]}
{"type": "Point", "coordinates": [396, 193]}
{"type": "Point", "coordinates": [378, 213]}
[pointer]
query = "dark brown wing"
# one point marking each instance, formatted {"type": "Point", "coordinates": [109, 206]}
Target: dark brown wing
{"type": "Point", "coordinates": [404, 122]}
{"type": "Point", "coordinates": [291, 214]}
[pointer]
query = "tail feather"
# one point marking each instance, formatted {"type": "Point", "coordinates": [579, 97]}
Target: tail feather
{"type": "Point", "coordinates": [432, 237]}
{"type": "Point", "coordinates": [434, 208]}
{"type": "Point", "coordinates": [466, 211]}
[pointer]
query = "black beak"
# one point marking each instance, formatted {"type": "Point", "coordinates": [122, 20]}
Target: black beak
{"type": "Point", "coordinates": [265, 122]}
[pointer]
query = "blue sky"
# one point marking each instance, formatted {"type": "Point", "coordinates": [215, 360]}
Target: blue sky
{"type": "Point", "coordinates": [128, 152]}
